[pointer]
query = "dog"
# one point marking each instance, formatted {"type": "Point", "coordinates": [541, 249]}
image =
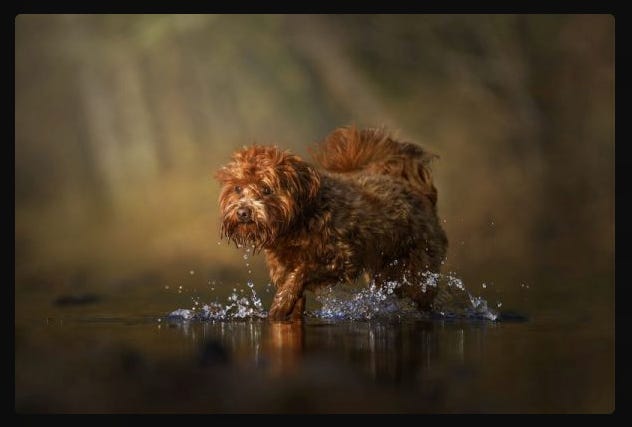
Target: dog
{"type": "Point", "coordinates": [367, 205]}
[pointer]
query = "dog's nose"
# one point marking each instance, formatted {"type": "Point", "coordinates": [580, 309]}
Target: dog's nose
{"type": "Point", "coordinates": [243, 214]}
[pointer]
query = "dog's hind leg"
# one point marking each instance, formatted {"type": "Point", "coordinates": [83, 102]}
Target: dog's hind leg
{"type": "Point", "coordinates": [422, 295]}
{"type": "Point", "coordinates": [413, 282]}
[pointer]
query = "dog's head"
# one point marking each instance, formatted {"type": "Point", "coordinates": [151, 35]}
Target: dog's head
{"type": "Point", "coordinates": [264, 190]}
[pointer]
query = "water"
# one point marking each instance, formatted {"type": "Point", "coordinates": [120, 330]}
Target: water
{"type": "Point", "coordinates": [359, 350]}
{"type": "Point", "coordinates": [238, 307]}
{"type": "Point", "coordinates": [349, 302]}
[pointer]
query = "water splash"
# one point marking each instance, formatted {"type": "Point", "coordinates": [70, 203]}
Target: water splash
{"type": "Point", "coordinates": [451, 301]}
{"type": "Point", "coordinates": [238, 307]}
{"type": "Point", "coordinates": [346, 302]}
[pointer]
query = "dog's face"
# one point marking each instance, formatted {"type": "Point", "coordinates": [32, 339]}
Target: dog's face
{"type": "Point", "coordinates": [263, 191]}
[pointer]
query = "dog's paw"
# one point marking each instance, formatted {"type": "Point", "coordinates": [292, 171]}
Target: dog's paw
{"type": "Point", "coordinates": [283, 304]}
{"type": "Point", "coordinates": [278, 312]}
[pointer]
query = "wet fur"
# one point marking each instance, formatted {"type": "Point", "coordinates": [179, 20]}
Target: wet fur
{"type": "Point", "coordinates": [371, 207]}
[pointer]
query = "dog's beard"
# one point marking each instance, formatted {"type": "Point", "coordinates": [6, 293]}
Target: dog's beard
{"type": "Point", "coordinates": [255, 234]}
{"type": "Point", "coordinates": [261, 232]}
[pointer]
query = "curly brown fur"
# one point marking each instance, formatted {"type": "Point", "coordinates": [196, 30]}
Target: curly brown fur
{"type": "Point", "coordinates": [371, 208]}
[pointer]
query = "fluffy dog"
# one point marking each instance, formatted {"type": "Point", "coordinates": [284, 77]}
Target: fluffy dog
{"type": "Point", "coordinates": [369, 208]}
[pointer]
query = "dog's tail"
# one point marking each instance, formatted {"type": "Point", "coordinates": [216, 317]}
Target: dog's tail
{"type": "Point", "coordinates": [348, 149]}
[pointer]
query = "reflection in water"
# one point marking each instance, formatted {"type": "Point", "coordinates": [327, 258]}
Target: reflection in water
{"type": "Point", "coordinates": [388, 352]}
{"type": "Point", "coordinates": [284, 344]}
{"type": "Point", "coordinates": [113, 365]}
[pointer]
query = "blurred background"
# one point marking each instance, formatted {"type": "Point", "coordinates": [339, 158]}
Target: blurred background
{"type": "Point", "coordinates": [121, 121]}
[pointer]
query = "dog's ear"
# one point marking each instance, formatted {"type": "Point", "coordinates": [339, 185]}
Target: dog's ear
{"type": "Point", "coordinates": [310, 181]}
{"type": "Point", "coordinates": [300, 177]}
{"type": "Point", "coordinates": [223, 175]}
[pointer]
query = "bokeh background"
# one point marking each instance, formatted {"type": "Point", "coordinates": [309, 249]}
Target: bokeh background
{"type": "Point", "coordinates": [121, 120]}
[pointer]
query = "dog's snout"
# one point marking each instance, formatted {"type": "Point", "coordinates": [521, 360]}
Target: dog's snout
{"type": "Point", "coordinates": [243, 214]}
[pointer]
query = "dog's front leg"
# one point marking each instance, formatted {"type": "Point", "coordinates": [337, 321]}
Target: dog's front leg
{"type": "Point", "coordinates": [289, 299]}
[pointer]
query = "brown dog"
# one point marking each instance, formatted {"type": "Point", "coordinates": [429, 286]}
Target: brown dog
{"type": "Point", "coordinates": [371, 208]}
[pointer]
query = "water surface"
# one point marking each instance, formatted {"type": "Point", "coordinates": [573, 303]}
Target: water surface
{"type": "Point", "coordinates": [122, 353]}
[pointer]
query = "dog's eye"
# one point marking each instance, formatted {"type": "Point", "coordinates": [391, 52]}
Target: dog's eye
{"type": "Point", "coordinates": [237, 189]}
{"type": "Point", "coordinates": [266, 190]}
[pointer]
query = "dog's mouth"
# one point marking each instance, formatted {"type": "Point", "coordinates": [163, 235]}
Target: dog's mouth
{"type": "Point", "coordinates": [246, 226]}
{"type": "Point", "coordinates": [247, 232]}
